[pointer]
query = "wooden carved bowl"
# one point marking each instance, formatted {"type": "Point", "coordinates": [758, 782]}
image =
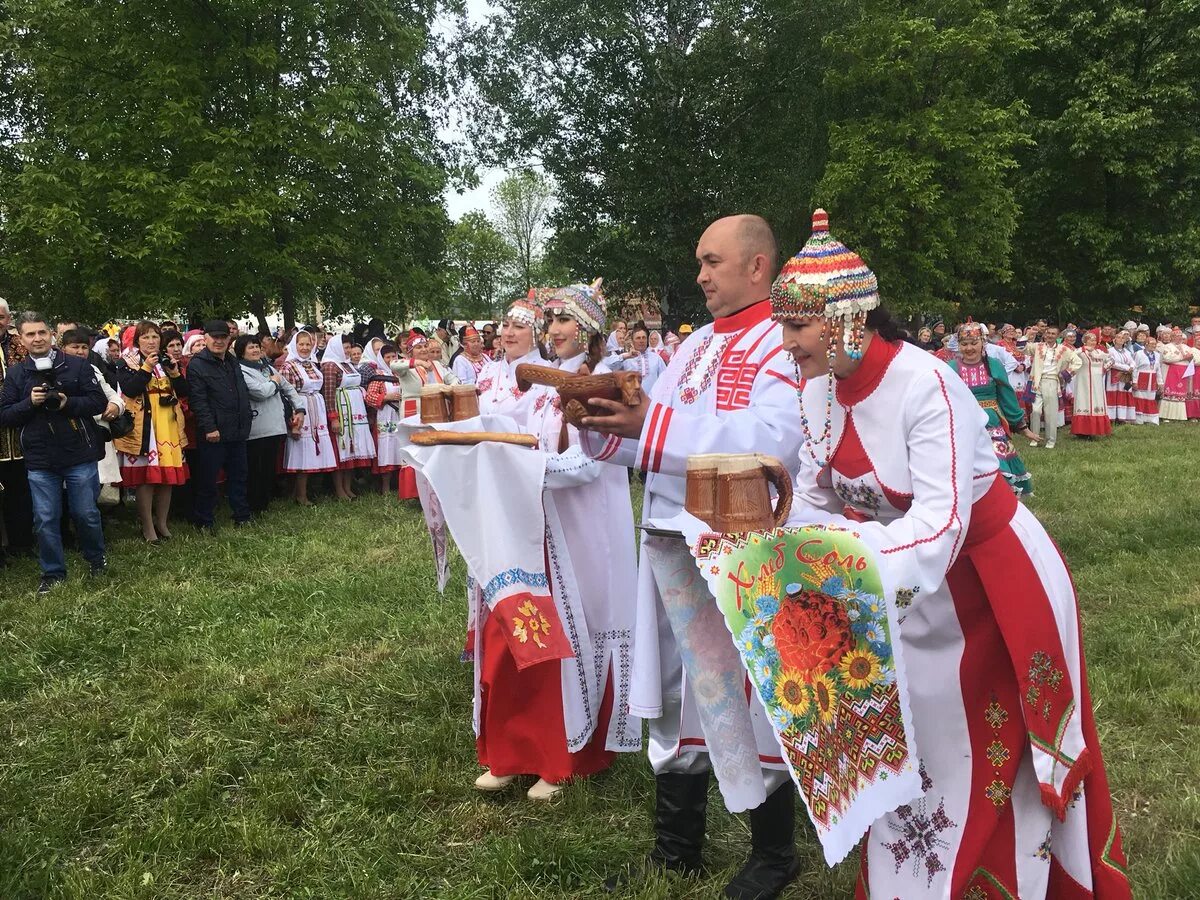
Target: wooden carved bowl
{"type": "Point", "coordinates": [575, 391]}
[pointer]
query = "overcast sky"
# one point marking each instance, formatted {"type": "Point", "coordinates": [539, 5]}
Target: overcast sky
{"type": "Point", "coordinates": [479, 198]}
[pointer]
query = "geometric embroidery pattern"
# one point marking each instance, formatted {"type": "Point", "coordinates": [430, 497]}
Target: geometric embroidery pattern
{"type": "Point", "coordinates": [998, 792]}
{"type": "Point", "coordinates": [920, 838]}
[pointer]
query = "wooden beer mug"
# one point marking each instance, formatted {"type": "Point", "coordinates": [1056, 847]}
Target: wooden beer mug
{"type": "Point", "coordinates": [435, 405]}
{"type": "Point", "coordinates": [701, 497]}
{"type": "Point", "coordinates": [464, 402]}
{"type": "Point", "coordinates": [733, 490]}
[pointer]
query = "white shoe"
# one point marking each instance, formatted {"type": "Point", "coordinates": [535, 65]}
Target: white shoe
{"type": "Point", "coordinates": [544, 790]}
{"type": "Point", "coordinates": [1035, 443]}
{"type": "Point", "coordinates": [491, 783]}
{"type": "Point", "coordinates": [1050, 446]}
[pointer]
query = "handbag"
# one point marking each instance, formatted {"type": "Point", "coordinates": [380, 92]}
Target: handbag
{"type": "Point", "coordinates": [121, 425]}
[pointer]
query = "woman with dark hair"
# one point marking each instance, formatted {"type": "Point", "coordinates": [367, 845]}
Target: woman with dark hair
{"type": "Point", "coordinates": [1012, 797]}
{"type": "Point", "coordinates": [268, 392]}
{"type": "Point", "coordinates": [151, 455]}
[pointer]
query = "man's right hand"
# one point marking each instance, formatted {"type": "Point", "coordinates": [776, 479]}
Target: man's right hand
{"type": "Point", "coordinates": [37, 396]}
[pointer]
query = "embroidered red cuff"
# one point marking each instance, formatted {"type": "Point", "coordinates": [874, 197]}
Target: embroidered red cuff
{"type": "Point", "coordinates": [532, 629]}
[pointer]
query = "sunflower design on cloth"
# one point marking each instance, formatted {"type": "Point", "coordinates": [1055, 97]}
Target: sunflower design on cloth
{"type": "Point", "coordinates": [805, 608]}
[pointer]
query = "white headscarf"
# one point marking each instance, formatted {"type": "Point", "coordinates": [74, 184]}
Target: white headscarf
{"type": "Point", "coordinates": [293, 351]}
{"type": "Point", "coordinates": [335, 350]}
{"type": "Point", "coordinates": [101, 347]}
{"type": "Point", "coordinates": [371, 355]}
{"type": "Point", "coordinates": [189, 346]}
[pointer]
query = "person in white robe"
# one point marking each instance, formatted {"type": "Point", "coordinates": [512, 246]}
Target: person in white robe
{"type": "Point", "coordinates": [728, 389]}
{"type": "Point", "coordinates": [1146, 380]}
{"type": "Point", "coordinates": [468, 362]}
{"type": "Point", "coordinates": [640, 358]}
{"type": "Point", "coordinates": [1119, 388]}
{"type": "Point", "coordinates": [1014, 800]}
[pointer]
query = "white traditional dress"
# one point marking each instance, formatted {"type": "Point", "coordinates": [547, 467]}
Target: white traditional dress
{"type": "Point", "coordinates": [1146, 364]}
{"type": "Point", "coordinates": [556, 718]}
{"type": "Point", "coordinates": [412, 378]}
{"type": "Point", "coordinates": [312, 451]}
{"type": "Point", "coordinates": [466, 369]}
{"type": "Point", "coordinates": [1091, 399]}
{"type": "Point", "coordinates": [1015, 801]}
{"type": "Point", "coordinates": [649, 364]}
{"type": "Point", "coordinates": [729, 389]}
{"type": "Point", "coordinates": [591, 504]}
{"type": "Point", "coordinates": [346, 404]}
{"type": "Point", "coordinates": [1119, 395]}
{"type": "Point", "coordinates": [383, 394]}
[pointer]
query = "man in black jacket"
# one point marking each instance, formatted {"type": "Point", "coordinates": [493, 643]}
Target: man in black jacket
{"type": "Point", "coordinates": [53, 399]}
{"type": "Point", "coordinates": [221, 404]}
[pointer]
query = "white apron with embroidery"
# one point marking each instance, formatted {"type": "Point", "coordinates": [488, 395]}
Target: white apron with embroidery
{"type": "Point", "coordinates": [313, 450]}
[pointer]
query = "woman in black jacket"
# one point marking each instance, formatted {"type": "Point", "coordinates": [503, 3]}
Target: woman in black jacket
{"type": "Point", "coordinates": [151, 455]}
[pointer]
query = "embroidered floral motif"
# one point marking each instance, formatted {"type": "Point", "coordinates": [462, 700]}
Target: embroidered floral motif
{"type": "Point", "coordinates": [531, 624]}
{"type": "Point", "coordinates": [997, 754]}
{"type": "Point", "coordinates": [1043, 671]}
{"type": "Point", "coordinates": [1043, 850]}
{"type": "Point", "coordinates": [860, 495]}
{"type": "Point", "coordinates": [690, 391]}
{"type": "Point", "coordinates": [920, 838]}
{"type": "Point", "coordinates": [484, 385]}
{"type": "Point", "coordinates": [998, 792]}
{"type": "Point", "coordinates": [540, 402]}
{"type": "Point", "coordinates": [995, 715]}
{"type": "Point", "coordinates": [975, 892]}
{"type": "Point", "coordinates": [905, 596]}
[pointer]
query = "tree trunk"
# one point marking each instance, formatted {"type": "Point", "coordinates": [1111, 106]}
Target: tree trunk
{"type": "Point", "coordinates": [259, 308]}
{"type": "Point", "coordinates": [287, 300]}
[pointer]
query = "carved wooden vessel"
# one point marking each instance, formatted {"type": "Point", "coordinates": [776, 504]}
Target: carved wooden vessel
{"type": "Point", "coordinates": [575, 391]}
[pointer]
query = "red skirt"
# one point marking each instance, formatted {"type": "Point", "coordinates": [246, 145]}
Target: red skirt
{"type": "Point", "coordinates": [521, 726]}
{"type": "Point", "coordinates": [1091, 425]}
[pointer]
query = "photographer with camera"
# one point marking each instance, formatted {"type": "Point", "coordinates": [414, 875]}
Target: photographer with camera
{"type": "Point", "coordinates": [152, 453]}
{"type": "Point", "coordinates": [53, 399]}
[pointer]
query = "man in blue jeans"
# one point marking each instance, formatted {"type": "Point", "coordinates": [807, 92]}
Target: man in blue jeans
{"type": "Point", "coordinates": [53, 399]}
{"type": "Point", "coordinates": [221, 404]}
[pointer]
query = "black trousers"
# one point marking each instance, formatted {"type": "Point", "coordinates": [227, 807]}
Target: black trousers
{"type": "Point", "coordinates": [262, 457]}
{"type": "Point", "coordinates": [210, 460]}
{"type": "Point", "coordinates": [17, 505]}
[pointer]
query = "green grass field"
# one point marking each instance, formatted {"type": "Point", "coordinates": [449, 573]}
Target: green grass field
{"type": "Point", "coordinates": [281, 712]}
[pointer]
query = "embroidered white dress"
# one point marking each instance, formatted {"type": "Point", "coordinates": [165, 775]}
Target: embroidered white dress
{"type": "Point", "coordinates": [1146, 364]}
{"type": "Point", "coordinates": [729, 389]}
{"type": "Point", "coordinates": [990, 633]}
{"type": "Point", "coordinates": [1119, 395]}
{"type": "Point", "coordinates": [591, 504]}
{"type": "Point", "coordinates": [312, 451]}
{"type": "Point", "coordinates": [649, 364]}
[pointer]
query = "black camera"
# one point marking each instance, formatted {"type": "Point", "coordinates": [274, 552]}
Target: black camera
{"type": "Point", "coordinates": [48, 378]}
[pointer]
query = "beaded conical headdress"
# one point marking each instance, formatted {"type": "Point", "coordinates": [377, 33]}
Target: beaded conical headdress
{"type": "Point", "coordinates": [584, 303]}
{"type": "Point", "coordinates": [826, 280]}
{"type": "Point", "coordinates": [526, 310]}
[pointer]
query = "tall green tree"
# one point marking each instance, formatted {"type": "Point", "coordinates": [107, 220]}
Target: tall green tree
{"type": "Point", "coordinates": [523, 203]}
{"type": "Point", "coordinates": [653, 118]}
{"type": "Point", "coordinates": [219, 156]}
{"type": "Point", "coordinates": [922, 144]}
{"type": "Point", "coordinates": [480, 265]}
{"type": "Point", "coordinates": [1111, 189]}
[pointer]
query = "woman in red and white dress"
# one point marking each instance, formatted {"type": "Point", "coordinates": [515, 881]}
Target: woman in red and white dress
{"type": "Point", "coordinates": [346, 406]}
{"type": "Point", "coordinates": [312, 451]}
{"type": "Point", "coordinates": [1014, 799]}
{"type": "Point", "coordinates": [1091, 400]}
{"type": "Point", "coordinates": [422, 366]}
{"type": "Point", "coordinates": [1178, 374]}
{"type": "Point", "coordinates": [1119, 394]}
{"type": "Point", "coordinates": [1146, 364]}
{"type": "Point", "coordinates": [522, 713]}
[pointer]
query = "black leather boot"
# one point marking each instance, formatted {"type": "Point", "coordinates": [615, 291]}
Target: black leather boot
{"type": "Point", "coordinates": [772, 864]}
{"type": "Point", "coordinates": [680, 803]}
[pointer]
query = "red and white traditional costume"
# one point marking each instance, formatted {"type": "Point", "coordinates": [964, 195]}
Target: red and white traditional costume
{"type": "Point", "coordinates": [1048, 364]}
{"type": "Point", "coordinates": [1146, 364]}
{"type": "Point", "coordinates": [346, 407]}
{"type": "Point", "coordinates": [1015, 798]}
{"type": "Point", "coordinates": [384, 395]}
{"type": "Point", "coordinates": [1178, 374]}
{"type": "Point", "coordinates": [729, 389]}
{"type": "Point", "coordinates": [1091, 399]}
{"type": "Point", "coordinates": [1119, 393]}
{"type": "Point", "coordinates": [412, 378]}
{"type": "Point", "coordinates": [312, 451]}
